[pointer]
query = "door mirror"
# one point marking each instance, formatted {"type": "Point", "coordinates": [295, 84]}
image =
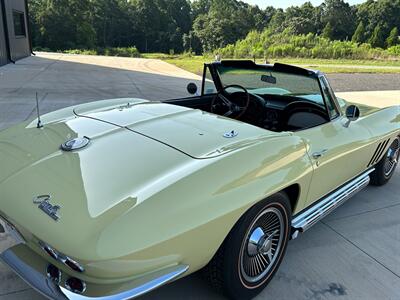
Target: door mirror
{"type": "Point", "coordinates": [352, 114]}
{"type": "Point", "coordinates": [192, 88]}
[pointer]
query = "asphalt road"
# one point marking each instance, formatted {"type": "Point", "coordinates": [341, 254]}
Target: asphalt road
{"type": "Point", "coordinates": [364, 82]}
{"type": "Point", "coordinates": [352, 254]}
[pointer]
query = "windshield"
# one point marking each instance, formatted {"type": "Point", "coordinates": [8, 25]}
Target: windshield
{"type": "Point", "coordinates": [265, 82]}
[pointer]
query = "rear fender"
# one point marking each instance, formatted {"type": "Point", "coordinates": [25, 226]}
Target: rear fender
{"type": "Point", "coordinates": [189, 220]}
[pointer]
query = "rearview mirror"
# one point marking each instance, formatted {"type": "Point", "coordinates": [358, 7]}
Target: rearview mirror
{"type": "Point", "coordinates": [268, 78]}
{"type": "Point", "coordinates": [192, 88]}
{"type": "Point", "coordinates": [352, 114]}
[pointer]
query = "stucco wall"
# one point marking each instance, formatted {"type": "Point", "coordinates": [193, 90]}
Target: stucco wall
{"type": "Point", "coordinates": [3, 50]}
{"type": "Point", "coordinates": [19, 46]}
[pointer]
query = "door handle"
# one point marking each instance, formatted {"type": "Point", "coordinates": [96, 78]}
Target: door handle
{"type": "Point", "coordinates": [319, 154]}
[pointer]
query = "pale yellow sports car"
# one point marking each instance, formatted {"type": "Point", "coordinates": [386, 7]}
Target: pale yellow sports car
{"type": "Point", "coordinates": [112, 199]}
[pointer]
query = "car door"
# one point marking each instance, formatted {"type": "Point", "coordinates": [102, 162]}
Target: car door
{"type": "Point", "coordinates": [338, 152]}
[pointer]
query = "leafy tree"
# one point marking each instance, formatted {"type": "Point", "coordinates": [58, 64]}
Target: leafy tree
{"type": "Point", "coordinates": [359, 34]}
{"type": "Point", "coordinates": [303, 19]}
{"type": "Point", "coordinates": [204, 25]}
{"type": "Point", "coordinates": [373, 13]}
{"type": "Point", "coordinates": [377, 38]}
{"type": "Point", "coordinates": [393, 38]}
{"type": "Point", "coordinates": [226, 22]}
{"type": "Point", "coordinates": [328, 31]}
{"type": "Point", "coordinates": [64, 24]}
{"type": "Point", "coordinates": [191, 42]}
{"type": "Point", "coordinates": [112, 23]}
{"type": "Point", "coordinates": [201, 7]}
{"type": "Point", "coordinates": [277, 23]}
{"type": "Point", "coordinates": [341, 17]}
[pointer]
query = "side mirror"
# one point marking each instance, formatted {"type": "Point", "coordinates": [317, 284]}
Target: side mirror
{"type": "Point", "coordinates": [192, 88]}
{"type": "Point", "coordinates": [352, 114]}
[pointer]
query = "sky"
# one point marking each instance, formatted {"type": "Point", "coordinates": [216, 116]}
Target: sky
{"type": "Point", "coordinates": [287, 3]}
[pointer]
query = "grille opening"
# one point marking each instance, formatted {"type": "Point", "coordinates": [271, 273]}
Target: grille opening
{"type": "Point", "coordinates": [378, 152]}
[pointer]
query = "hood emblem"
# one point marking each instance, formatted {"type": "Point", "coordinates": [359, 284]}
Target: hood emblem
{"type": "Point", "coordinates": [75, 144]}
{"type": "Point", "coordinates": [231, 134]}
{"type": "Point", "coordinates": [47, 207]}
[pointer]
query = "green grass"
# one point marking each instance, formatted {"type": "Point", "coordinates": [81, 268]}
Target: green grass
{"type": "Point", "coordinates": [195, 64]}
{"type": "Point", "coordinates": [385, 63]}
{"type": "Point", "coordinates": [345, 65]}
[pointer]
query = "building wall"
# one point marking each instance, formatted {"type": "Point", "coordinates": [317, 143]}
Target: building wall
{"type": "Point", "coordinates": [3, 49]}
{"type": "Point", "coordinates": [19, 44]}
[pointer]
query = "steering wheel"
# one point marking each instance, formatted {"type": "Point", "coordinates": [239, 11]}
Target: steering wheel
{"type": "Point", "coordinates": [302, 106]}
{"type": "Point", "coordinates": [233, 110]}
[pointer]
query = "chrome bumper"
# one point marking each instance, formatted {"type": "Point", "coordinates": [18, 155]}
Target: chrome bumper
{"type": "Point", "coordinates": [31, 267]}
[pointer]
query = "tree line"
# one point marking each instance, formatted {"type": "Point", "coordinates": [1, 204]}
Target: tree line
{"type": "Point", "coordinates": [203, 25]}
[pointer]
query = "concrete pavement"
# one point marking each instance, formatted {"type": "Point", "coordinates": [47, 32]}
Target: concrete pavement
{"type": "Point", "coordinates": [379, 99]}
{"type": "Point", "coordinates": [64, 80]}
{"type": "Point", "coordinates": [353, 254]}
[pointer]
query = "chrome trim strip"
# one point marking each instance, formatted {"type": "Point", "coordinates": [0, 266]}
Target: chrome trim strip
{"type": "Point", "coordinates": [136, 292]}
{"type": "Point", "coordinates": [8, 228]}
{"type": "Point", "coordinates": [37, 278]}
{"type": "Point", "coordinates": [324, 207]}
{"type": "Point", "coordinates": [31, 276]}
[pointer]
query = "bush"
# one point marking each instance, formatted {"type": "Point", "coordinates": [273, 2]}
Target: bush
{"type": "Point", "coordinates": [41, 49]}
{"type": "Point", "coordinates": [123, 52]}
{"type": "Point", "coordinates": [395, 50]}
{"type": "Point", "coordinates": [81, 51]}
{"type": "Point", "coordinates": [268, 44]}
{"type": "Point", "coordinates": [119, 51]}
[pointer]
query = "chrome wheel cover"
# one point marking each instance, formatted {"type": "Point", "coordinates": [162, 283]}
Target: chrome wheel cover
{"type": "Point", "coordinates": [392, 158]}
{"type": "Point", "coordinates": [262, 244]}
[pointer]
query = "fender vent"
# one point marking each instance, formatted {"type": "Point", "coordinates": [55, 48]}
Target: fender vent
{"type": "Point", "coordinates": [378, 152]}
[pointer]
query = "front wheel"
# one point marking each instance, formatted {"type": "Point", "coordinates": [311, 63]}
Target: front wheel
{"type": "Point", "coordinates": [254, 249]}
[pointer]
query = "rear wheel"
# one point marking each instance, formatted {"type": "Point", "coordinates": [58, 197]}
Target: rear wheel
{"type": "Point", "coordinates": [384, 170]}
{"type": "Point", "coordinates": [254, 249]}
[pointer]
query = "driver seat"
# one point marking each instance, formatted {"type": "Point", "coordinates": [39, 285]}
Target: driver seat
{"type": "Point", "coordinates": [300, 117]}
{"type": "Point", "coordinates": [302, 120]}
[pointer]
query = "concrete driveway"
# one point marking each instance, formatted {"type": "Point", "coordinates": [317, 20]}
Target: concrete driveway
{"type": "Point", "coordinates": [353, 254]}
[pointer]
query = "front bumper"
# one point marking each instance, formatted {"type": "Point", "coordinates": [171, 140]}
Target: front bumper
{"type": "Point", "coordinates": [31, 267]}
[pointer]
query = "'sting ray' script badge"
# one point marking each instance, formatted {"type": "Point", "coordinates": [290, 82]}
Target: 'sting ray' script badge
{"type": "Point", "coordinates": [44, 204]}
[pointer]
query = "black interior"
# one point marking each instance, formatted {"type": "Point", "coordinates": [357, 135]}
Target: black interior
{"type": "Point", "coordinates": [272, 112]}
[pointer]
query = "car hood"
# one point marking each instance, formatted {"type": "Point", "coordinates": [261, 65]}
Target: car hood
{"type": "Point", "coordinates": [194, 132]}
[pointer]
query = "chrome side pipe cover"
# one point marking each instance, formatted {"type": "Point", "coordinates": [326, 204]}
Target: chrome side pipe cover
{"type": "Point", "coordinates": [305, 220]}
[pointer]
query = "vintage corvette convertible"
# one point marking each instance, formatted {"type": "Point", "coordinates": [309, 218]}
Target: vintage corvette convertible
{"type": "Point", "coordinates": [112, 199]}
